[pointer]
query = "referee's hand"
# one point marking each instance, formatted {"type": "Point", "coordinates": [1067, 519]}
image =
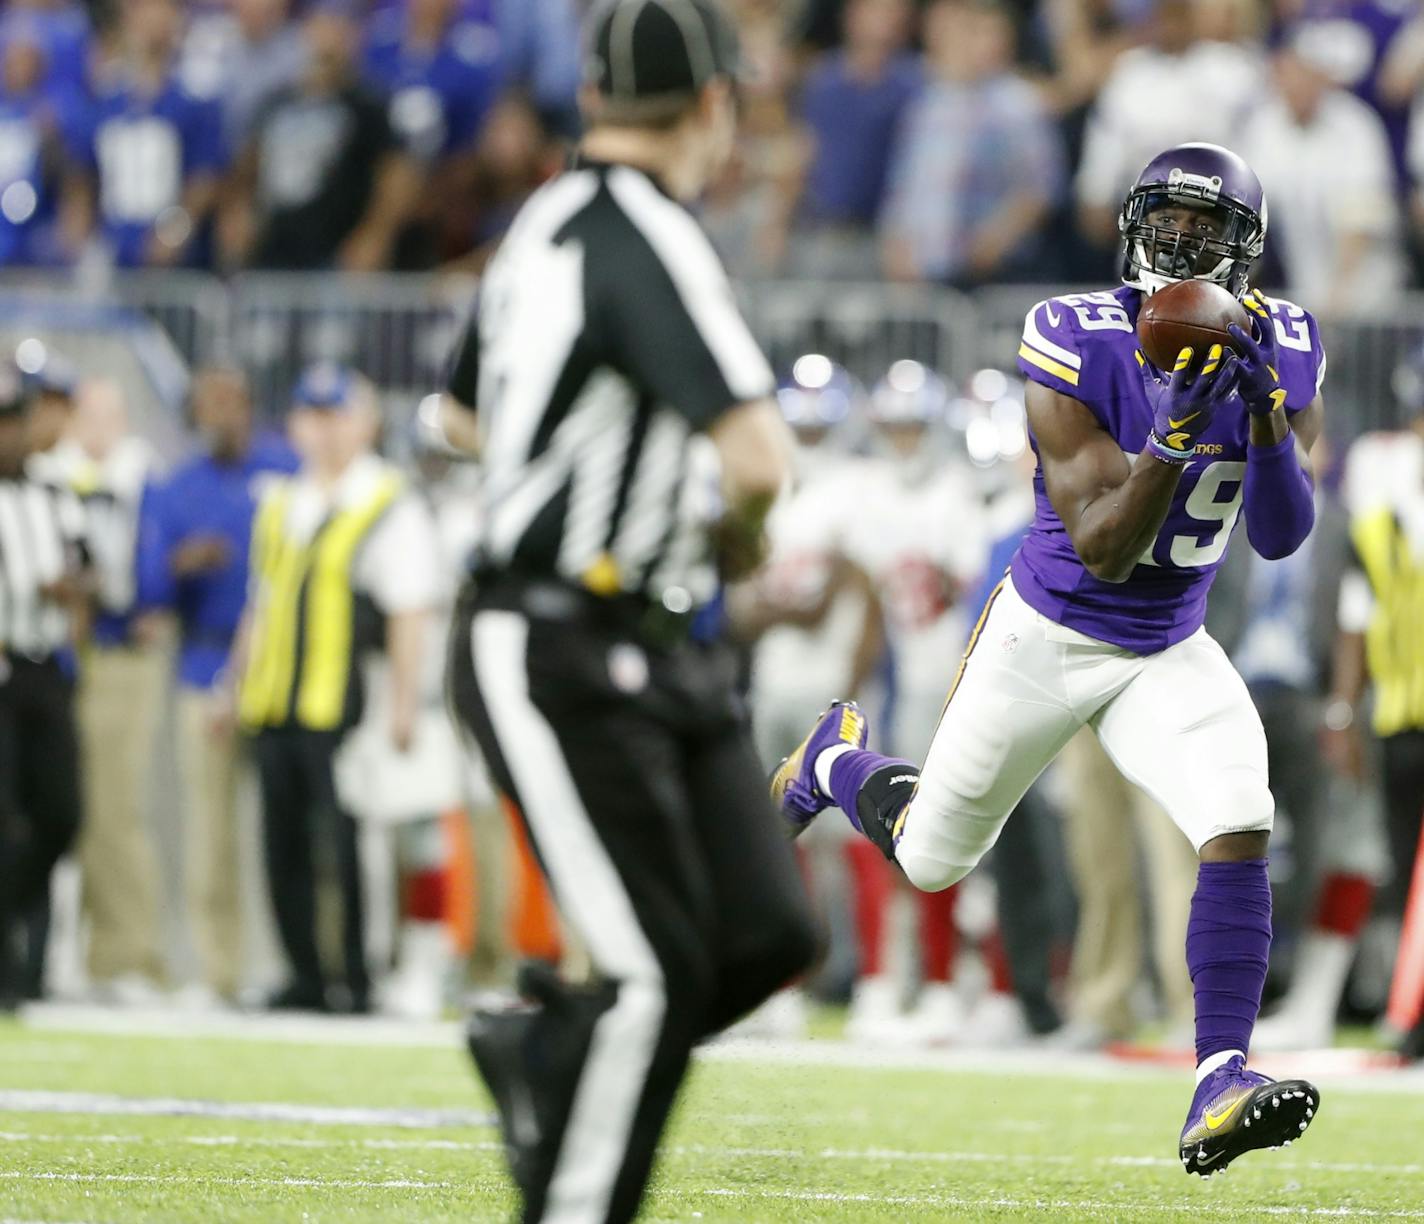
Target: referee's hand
{"type": "Point", "coordinates": [740, 547]}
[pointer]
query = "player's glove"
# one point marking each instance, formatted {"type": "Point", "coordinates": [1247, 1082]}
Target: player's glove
{"type": "Point", "coordinates": [1187, 404]}
{"type": "Point", "coordinates": [1260, 380]}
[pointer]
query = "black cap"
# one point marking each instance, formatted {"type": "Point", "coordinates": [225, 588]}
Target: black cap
{"type": "Point", "coordinates": [656, 48]}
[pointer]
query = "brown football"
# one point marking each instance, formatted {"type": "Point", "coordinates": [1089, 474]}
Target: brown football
{"type": "Point", "coordinates": [1190, 314]}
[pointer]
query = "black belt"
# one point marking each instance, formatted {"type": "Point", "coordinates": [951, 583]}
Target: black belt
{"type": "Point", "coordinates": [541, 598]}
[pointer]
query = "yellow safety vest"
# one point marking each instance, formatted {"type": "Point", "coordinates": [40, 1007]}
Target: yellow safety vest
{"type": "Point", "coordinates": [301, 655]}
{"type": "Point", "coordinates": [1394, 640]}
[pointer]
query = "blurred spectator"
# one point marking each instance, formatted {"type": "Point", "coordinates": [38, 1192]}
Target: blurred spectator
{"type": "Point", "coordinates": [1381, 609]}
{"type": "Point", "coordinates": [122, 680]}
{"type": "Point", "coordinates": [1323, 157]}
{"type": "Point", "coordinates": [194, 563]}
{"type": "Point", "coordinates": [344, 563]}
{"type": "Point", "coordinates": [323, 180]}
{"type": "Point", "coordinates": [1179, 87]}
{"type": "Point", "coordinates": [516, 154]}
{"type": "Point", "coordinates": [749, 211]}
{"type": "Point", "coordinates": [1109, 819]}
{"type": "Point", "coordinates": [61, 28]}
{"type": "Point", "coordinates": [32, 154]}
{"type": "Point", "coordinates": [979, 163]}
{"type": "Point", "coordinates": [151, 154]}
{"type": "Point", "coordinates": [541, 38]}
{"type": "Point", "coordinates": [244, 54]}
{"type": "Point", "coordinates": [853, 102]}
{"type": "Point", "coordinates": [442, 77]}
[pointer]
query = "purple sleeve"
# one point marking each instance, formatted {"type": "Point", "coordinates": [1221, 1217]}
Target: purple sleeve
{"type": "Point", "coordinates": [1049, 352]}
{"type": "Point", "coordinates": [156, 588]}
{"type": "Point", "coordinates": [1278, 498]}
{"type": "Point", "coordinates": [1299, 352]}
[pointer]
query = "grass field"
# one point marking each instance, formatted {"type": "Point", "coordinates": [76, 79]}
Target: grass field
{"type": "Point", "coordinates": [315, 1125]}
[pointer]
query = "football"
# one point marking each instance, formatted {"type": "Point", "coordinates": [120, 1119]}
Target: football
{"type": "Point", "coordinates": [1190, 314]}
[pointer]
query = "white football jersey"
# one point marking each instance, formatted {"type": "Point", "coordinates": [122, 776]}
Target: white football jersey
{"type": "Point", "coordinates": [924, 544]}
{"type": "Point", "coordinates": [807, 530]}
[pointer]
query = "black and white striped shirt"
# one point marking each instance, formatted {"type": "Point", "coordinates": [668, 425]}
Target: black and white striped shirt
{"type": "Point", "coordinates": [41, 540]}
{"type": "Point", "coordinates": [606, 341]}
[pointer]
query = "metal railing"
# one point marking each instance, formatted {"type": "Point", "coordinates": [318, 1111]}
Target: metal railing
{"type": "Point", "coordinates": [400, 329]}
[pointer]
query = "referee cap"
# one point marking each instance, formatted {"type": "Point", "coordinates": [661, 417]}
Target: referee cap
{"type": "Point", "coordinates": [643, 49]}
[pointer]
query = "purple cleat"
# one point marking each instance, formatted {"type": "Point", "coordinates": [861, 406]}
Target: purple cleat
{"type": "Point", "coordinates": [1236, 1111]}
{"type": "Point", "coordinates": [793, 785]}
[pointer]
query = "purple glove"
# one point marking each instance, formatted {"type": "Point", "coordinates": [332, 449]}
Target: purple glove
{"type": "Point", "coordinates": [1260, 382]}
{"type": "Point", "coordinates": [1187, 404]}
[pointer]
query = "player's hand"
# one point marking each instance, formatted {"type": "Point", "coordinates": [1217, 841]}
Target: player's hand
{"type": "Point", "coordinates": [1186, 406]}
{"type": "Point", "coordinates": [1260, 381]}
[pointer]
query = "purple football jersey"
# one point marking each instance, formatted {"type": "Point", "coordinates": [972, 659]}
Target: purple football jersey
{"type": "Point", "coordinates": [1085, 345]}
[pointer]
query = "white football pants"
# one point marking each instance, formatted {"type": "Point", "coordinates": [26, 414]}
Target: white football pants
{"type": "Point", "coordinates": [1180, 724]}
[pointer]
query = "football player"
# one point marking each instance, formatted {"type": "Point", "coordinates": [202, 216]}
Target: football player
{"type": "Point", "coordinates": [1141, 477]}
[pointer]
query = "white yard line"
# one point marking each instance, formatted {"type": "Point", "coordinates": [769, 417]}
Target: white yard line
{"type": "Point", "coordinates": [184, 1179]}
{"type": "Point", "coordinates": [21, 1101]}
{"type": "Point", "coordinates": [1117, 1209]}
{"type": "Point", "coordinates": [832, 1155]}
{"type": "Point", "coordinates": [1359, 1070]}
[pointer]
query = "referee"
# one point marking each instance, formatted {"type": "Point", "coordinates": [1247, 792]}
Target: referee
{"type": "Point", "coordinates": [43, 590]}
{"type": "Point", "coordinates": [631, 448]}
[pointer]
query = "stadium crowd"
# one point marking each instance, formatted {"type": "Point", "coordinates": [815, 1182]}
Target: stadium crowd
{"type": "Point", "coordinates": [955, 142]}
{"type": "Point", "coordinates": [961, 142]}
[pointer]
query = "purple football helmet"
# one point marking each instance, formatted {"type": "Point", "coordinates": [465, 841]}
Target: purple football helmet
{"type": "Point", "coordinates": [1209, 179]}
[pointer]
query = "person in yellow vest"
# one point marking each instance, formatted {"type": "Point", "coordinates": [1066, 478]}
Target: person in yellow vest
{"type": "Point", "coordinates": [344, 561]}
{"type": "Point", "coordinates": [1381, 645]}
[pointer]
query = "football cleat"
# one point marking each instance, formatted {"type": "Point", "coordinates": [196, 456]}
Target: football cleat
{"type": "Point", "coordinates": [1236, 1111]}
{"type": "Point", "coordinates": [793, 785]}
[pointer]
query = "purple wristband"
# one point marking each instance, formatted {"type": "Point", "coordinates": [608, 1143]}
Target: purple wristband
{"type": "Point", "coordinates": [1168, 454]}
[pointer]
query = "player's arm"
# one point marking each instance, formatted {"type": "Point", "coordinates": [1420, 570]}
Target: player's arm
{"type": "Point", "coordinates": [1278, 493]}
{"type": "Point", "coordinates": [1112, 507]}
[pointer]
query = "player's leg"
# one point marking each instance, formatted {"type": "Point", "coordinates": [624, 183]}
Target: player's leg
{"type": "Point", "coordinates": [1008, 715]}
{"type": "Point", "coordinates": [287, 851]}
{"type": "Point", "coordinates": [1185, 731]}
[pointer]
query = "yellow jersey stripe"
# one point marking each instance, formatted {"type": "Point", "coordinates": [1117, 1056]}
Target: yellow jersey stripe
{"type": "Point", "coordinates": [1056, 368]}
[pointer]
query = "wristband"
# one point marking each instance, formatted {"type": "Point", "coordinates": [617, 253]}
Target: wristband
{"type": "Point", "coordinates": [1169, 454]}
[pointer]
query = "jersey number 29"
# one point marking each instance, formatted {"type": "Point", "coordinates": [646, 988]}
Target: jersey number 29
{"type": "Point", "coordinates": [1189, 550]}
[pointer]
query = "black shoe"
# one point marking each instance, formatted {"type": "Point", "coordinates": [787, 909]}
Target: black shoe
{"type": "Point", "coordinates": [298, 996]}
{"type": "Point", "coordinates": [1412, 1046]}
{"type": "Point", "coordinates": [529, 1052]}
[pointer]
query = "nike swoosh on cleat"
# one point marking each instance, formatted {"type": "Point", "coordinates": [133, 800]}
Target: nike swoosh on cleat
{"type": "Point", "coordinates": [1217, 1121]}
{"type": "Point", "coordinates": [1202, 1161]}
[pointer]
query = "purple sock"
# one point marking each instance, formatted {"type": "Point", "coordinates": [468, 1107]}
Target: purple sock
{"type": "Point", "coordinates": [1228, 944]}
{"type": "Point", "coordinates": [849, 773]}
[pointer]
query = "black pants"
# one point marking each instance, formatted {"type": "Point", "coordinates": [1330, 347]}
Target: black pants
{"type": "Point", "coordinates": [645, 802]}
{"type": "Point", "coordinates": [304, 827]}
{"type": "Point", "coordinates": [40, 803]}
{"type": "Point", "coordinates": [1404, 809]}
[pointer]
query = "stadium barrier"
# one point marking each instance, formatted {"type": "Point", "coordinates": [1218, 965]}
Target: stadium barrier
{"type": "Point", "coordinates": [400, 328]}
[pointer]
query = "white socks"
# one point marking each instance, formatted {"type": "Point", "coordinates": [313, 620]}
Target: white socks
{"type": "Point", "coordinates": [822, 768]}
{"type": "Point", "coordinates": [1212, 1062]}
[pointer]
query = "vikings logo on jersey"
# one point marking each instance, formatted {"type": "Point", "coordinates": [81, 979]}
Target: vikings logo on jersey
{"type": "Point", "coordinates": [1085, 346]}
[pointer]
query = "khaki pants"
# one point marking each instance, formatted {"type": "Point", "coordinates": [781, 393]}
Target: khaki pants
{"type": "Point", "coordinates": [120, 701]}
{"type": "Point", "coordinates": [209, 766]}
{"type": "Point", "coordinates": [1108, 818]}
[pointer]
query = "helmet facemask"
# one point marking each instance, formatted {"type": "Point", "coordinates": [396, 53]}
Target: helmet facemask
{"type": "Point", "coordinates": [1155, 256]}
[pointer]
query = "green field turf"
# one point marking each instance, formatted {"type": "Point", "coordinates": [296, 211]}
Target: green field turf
{"type": "Point", "coordinates": [752, 1141]}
